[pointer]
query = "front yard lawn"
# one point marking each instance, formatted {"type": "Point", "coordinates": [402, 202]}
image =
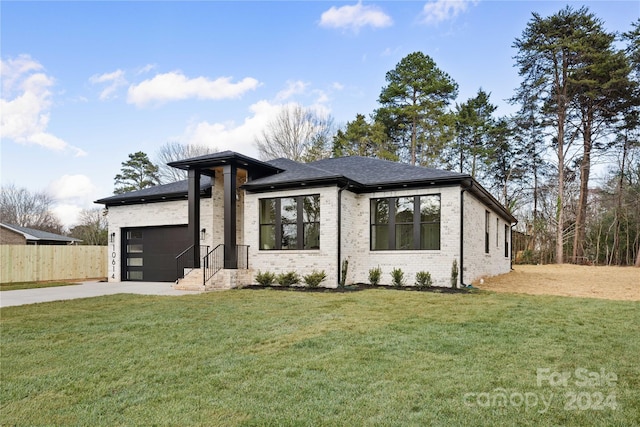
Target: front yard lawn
{"type": "Point", "coordinates": [375, 357]}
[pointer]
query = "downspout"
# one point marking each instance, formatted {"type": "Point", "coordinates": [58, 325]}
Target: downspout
{"type": "Point", "coordinates": [340, 190]}
{"type": "Point", "coordinates": [462, 233]}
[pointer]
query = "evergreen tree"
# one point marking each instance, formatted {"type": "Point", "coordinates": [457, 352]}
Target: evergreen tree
{"type": "Point", "coordinates": [414, 107]}
{"type": "Point", "coordinates": [550, 53]}
{"type": "Point", "coordinates": [137, 173]}
{"type": "Point", "coordinates": [474, 123]}
{"type": "Point", "coordinates": [361, 138]}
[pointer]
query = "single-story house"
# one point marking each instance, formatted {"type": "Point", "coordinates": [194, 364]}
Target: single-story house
{"type": "Point", "coordinates": [235, 216]}
{"type": "Point", "coordinates": [16, 235]}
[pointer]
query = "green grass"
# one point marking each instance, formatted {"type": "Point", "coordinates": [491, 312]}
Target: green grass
{"type": "Point", "coordinates": [376, 357]}
{"type": "Point", "coordinates": [31, 285]}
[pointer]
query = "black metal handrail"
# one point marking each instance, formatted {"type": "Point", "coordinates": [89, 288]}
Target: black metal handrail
{"type": "Point", "coordinates": [185, 259]}
{"type": "Point", "coordinates": [212, 262]}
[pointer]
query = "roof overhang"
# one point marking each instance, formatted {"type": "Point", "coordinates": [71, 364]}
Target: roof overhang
{"type": "Point", "coordinates": [206, 164]}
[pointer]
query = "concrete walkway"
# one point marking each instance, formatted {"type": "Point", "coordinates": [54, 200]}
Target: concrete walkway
{"type": "Point", "coordinates": [87, 290]}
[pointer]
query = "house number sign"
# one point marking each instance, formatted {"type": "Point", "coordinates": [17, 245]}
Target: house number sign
{"type": "Point", "coordinates": [113, 261]}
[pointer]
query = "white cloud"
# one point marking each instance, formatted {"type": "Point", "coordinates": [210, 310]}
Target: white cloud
{"type": "Point", "coordinates": [229, 136]}
{"type": "Point", "coordinates": [437, 11]}
{"type": "Point", "coordinates": [114, 80]}
{"type": "Point", "coordinates": [176, 86]}
{"type": "Point", "coordinates": [72, 194]}
{"type": "Point", "coordinates": [337, 86]}
{"type": "Point", "coordinates": [26, 104]}
{"type": "Point", "coordinates": [71, 187]}
{"type": "Point", "coordinates": [355, 17]}
{"type": "Point", "coordinates": [146, 69]}
{"type": "Point", "coordinates": [293, 88]}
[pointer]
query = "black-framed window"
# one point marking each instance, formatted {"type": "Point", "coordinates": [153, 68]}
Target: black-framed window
{"type": "Point", "coordinates": [405, 223]}
{"type": "Point", "coordinates": [486, 232]}
{"type": "Point", "coordinates": [506, 241]}
{"type": "Point", "coordinates": [290, 223]}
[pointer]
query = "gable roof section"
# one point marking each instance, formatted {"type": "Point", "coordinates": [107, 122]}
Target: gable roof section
{"type": "Point", "coordinates": [31, 234]}
{"type": "Point", "coordinates": [158, 193]}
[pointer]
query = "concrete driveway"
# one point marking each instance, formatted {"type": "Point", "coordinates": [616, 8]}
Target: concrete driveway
{"type": "Point", "coordinates": [87, 290]}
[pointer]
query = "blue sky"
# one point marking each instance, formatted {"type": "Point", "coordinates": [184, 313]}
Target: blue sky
{"type": "Point", "coordinates": [86, 83]}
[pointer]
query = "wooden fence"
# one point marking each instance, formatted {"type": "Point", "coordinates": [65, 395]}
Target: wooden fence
{"type": "Point", "coordinates": [30, 263]}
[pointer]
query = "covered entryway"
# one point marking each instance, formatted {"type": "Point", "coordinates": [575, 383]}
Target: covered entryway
{"type": "Point", "coordinates": [149, 253]}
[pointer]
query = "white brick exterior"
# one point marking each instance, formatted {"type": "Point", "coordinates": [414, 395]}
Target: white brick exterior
{"type": "Point", "coordinates": [477, 263]}
{"type": "Point", "coordinates": [301, 261]}
{"type": "Point", "coordinates": [355, 238]}
{"type": "Point", "coordinates": [355, 235]}
{"type": "Point", "coordinates": [148, 215]}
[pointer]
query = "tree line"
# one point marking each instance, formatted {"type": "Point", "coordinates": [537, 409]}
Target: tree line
{"type": "Point", "coordinates": [578, 106]}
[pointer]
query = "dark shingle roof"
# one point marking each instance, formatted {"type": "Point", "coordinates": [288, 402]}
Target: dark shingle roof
{"type": "Point", "coordinates": [362, 173]}
{"type": "Point", "coordinates": [37, 235]}
{"type": "Point", "coordinates": [172, 191]}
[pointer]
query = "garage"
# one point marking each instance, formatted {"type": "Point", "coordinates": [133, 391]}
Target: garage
{"type": "Point", "coordinates": [149, 253]}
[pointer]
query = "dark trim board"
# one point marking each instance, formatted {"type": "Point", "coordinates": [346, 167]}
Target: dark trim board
{"type": "Point", "coordinates": [148, 253]}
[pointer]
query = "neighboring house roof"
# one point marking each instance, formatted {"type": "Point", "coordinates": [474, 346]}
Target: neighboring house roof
{"type": "Point", "coordinates": [33, 235]}
{"type": "Point", "coordinates": [158, 193]}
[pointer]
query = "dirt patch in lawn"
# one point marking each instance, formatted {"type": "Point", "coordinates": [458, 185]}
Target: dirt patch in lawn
{"type": "Point", "coordinates": [615, 283]}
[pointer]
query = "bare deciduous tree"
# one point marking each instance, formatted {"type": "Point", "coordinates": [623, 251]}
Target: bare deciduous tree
{"type": "Point", "coordinates": [19, 206]}
{"type": "Point", "coordinates": [297, 133]}
{"type": "Point", "coordinates": [173, 151]}
{"type": "Point", "coordinates": [91, 228]}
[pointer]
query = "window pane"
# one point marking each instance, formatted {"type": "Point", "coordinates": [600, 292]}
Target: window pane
{"type": "Point", "coordinates": [134, 262]}
{"type": "Point", "coordinates": [267, 237]}
{"type": "Point", "coordinates": [289, 236]}
{"type": "Point", "coordinates": [404, 210]}
{"type": "Point", "coordinates": [267, 211]}
{"type": "Point", "coordinates": [134, 275]}
{"type": "Point", "coordinates": [134, 234]}
{"type": "Point", "coordinates": [134, 249]}
{"type": "Point", "coordinates": [311, 208]}
{"type": "Point", "coordinates": [312, 235]}
{"type": "Point", "coordinates": [404, 236]}
{"type": "Point", "coordinates": [288, 211]}
{"type": "Point", "coordinates": [379, 237]}
{"type": "Point", "coordinates": [429, 208]}
{"type": "Point", "coordinates": [379, 211]}
{"type": "Point", "coordinates": [430, 236]}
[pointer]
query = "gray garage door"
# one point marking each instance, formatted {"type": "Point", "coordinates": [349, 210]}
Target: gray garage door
{"type": "Point", "coordinates": [149, 253]}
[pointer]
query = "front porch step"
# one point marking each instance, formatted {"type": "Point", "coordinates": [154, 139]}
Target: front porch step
{"type": "Point", "coordinates": [229, 279]}
{"type": "Point", "coordinates": [223, 279]}
{"type": "Point", "coordinates": [192, 281]}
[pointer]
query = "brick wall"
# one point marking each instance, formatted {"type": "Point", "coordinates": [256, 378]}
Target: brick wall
{"type": "Point", "coordinates": [478, 263]}
{"type": "Point", "coordinates": [10, 237]}
{"type": "Point", "coordinates": [148, 215]}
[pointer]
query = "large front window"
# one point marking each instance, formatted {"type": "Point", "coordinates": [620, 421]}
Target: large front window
{"type": "Point", "coordinates": [405, 223]}
{"type": "Point", "coordinates": [290, 223]}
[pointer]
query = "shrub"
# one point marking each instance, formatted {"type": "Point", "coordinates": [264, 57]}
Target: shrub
{"type": "Point", "coordinates": [397, 277]}
{"type": "Point", "coordinates": [374, 275]}
{"type": "Point", "coordinates": [454, 274]}
{"type": "Point", "coordinates": [343, 275]}
{"type": "Point", "coordinates": [423, 279]}
{"type": "Point", "coordinates": [314, 279]}
{"type": "Point", "coordinates": [265, 279]}
{"type": "Point", "coordinates": [288, 279]}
